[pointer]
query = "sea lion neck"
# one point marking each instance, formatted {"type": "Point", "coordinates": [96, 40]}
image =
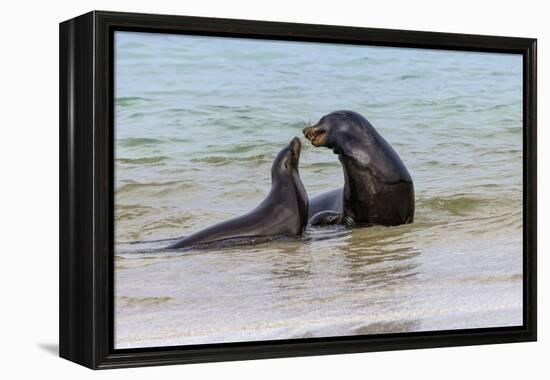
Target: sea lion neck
{"type": "Point", "coordinates": [354, 152]}
{"type": "Point", "coordinates": [283, 177]}
{"type": "Point", "coordinates": [285, 165]}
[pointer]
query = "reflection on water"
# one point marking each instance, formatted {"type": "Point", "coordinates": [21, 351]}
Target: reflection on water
{"type": "Point", "coordinates": [320, 284]}
{"type": "Point", "coordinates": [332, 281]}
{"type": "Point", "coordinates": [198, 123]}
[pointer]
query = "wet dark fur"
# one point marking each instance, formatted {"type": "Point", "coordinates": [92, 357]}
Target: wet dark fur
{"type": "Point", "coordinates": [378, 188]}
{"type": "Point", "coordinates": [284, 212]}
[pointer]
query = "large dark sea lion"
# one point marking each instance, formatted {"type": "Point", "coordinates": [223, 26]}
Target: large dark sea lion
{"type": "Point", "coordinates": [329, 200]}
{"type": "Point", "coordinates": [284, 212]}
{"type": "Point", "coordinates": [378, 188]}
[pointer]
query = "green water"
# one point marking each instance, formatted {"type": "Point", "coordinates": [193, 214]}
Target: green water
{"type": "Point", "coordinates": [198, 123]}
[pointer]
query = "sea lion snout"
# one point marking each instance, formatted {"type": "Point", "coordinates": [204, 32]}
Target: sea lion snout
{"type": "Point", "coordinates": [296, 145]}
{"type": "Point", "coordinates": [316, 135]}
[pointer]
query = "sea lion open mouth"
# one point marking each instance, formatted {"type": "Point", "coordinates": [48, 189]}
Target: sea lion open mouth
{"type": "Point", "coordinates": [316, 135]}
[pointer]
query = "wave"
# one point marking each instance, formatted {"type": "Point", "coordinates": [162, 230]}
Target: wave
{"type": "Point", "coordinates": [142, 301]}
{"type": "Point", "coordinates": [223, 160]}
{"type": "Point", "coordinates": [465, 204]}
{"type": "Point", "coordinates": [476, 213]}
{"type": "Point", "coordinates": [160, 186]}
{"type": "Point", "coordinates": [409, 76]}
{"type": "Point", "coordinates": [455, 204]}
{"type": "Point", "coordinates": [129, 100]}
{"type": "Point", "coordinates": [130, 212]}
{"type": "Point", "coordinates": [244, 148]}
{"type": "Point", "coordinates": [138, 141]}
{"type": "Point", "coordinates": [500, 151]}
{"type": "Point", "coordinates": [244, 108]}
{"type": "Point", "coordinates": [142, 160]}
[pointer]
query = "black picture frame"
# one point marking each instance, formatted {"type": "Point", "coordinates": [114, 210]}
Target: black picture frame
{"type": "Point", "coordinates": [86, 189]}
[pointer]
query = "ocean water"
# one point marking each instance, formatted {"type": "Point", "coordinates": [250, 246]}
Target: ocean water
{"type": "Point", "coordinates": [198, 123]}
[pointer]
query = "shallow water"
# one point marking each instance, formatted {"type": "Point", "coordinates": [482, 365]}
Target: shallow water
{"type": "Point", "coordinates": [198, 123]}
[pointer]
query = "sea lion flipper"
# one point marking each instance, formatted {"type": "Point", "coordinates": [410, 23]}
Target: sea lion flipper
{"type": "Point", "coordinates": [326, 218]}
{"type": "Point", "coordinates": [347, 221]}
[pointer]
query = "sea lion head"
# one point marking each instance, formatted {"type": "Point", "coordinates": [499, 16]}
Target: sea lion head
{"type": "Point", "coordinates": [332, 130]}
{"type": "Point", "coordinates": [288, 193]}
{"type": "Point", "coordinates": [287, 160]}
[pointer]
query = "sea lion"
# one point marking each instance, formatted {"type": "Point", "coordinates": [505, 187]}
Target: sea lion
{"type": "Point", "coordinates": [329, 217]}
{"type": "Point", "coordinates": [329, 200]}
{"type": "Point", "coordinates": [378, 188]}
{"type": "Point", "coordinates": [284, 212]}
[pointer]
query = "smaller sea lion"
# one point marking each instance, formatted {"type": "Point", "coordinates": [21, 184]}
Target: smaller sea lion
{"type": "Point", "coordinates": [284, 212]}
